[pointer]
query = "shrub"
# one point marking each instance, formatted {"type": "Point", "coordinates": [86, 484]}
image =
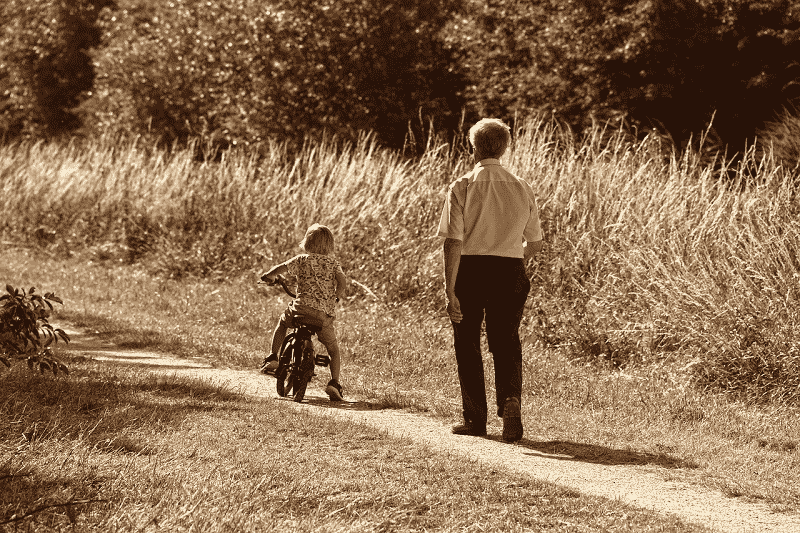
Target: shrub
{"type": "Point", "coordinates": [25, 332]}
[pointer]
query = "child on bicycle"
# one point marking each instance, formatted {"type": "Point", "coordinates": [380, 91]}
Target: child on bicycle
{"type": "Point", "coordinates": [320, 283]}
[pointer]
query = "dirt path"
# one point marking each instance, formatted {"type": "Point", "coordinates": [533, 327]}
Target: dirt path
{"type": "Point", "coordinates": [621, 477]}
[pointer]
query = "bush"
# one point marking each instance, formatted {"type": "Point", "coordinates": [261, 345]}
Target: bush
{"type": "Point", "coordinates": [242, 72]}
{"type": "Point", "coordinates": [25, 332]}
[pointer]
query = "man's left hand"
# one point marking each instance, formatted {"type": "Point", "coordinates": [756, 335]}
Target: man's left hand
{"type": "Point", "coordinates": [454, 309]}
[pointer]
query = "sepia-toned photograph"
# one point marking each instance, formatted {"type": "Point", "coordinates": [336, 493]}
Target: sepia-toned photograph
{"type": "Point", "coordinates": [371, 266]}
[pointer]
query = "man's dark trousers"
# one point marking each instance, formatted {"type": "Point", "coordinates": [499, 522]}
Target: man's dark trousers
{"type": "Point", "coordinates": [495, 288]}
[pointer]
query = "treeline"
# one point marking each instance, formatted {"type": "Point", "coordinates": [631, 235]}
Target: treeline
{"type": "Point", "coordinates": [245, 71]}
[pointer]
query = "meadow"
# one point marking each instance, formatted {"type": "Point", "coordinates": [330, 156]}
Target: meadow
{"type": "Point", "coordinates": [649, 256]}
{"type": "Point", "coordinates": [661, 319]}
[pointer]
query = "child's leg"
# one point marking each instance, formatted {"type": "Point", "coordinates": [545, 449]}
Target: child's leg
{"type": "Point", "coordinates": [327, 336]}
{"type": "Point", "coordinates": [336, 365]}
{"type": "Point", "coordinates": [280, 333]}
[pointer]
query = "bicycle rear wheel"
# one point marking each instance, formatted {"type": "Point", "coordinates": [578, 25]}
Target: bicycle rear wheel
{"type": "Point", "coordinates": [304, 371]}
{"type": "Point", "coordinates": [285, 377]}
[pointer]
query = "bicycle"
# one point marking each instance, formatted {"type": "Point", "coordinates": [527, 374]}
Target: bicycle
{"type": "Point", "coordinates": [296, 358]}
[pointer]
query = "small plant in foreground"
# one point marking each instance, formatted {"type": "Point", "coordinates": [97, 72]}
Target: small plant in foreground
{"type": "Point", "coordinates": [25, 332]}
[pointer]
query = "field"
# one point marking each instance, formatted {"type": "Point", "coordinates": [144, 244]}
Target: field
{"type": "Point", "coordinates": [662, 318]}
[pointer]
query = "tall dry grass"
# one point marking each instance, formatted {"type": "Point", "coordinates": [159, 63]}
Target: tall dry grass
{"type": "Point", "coordinates": [650, 256]}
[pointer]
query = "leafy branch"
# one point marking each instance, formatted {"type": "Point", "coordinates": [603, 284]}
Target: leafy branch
{"type": "Point", "coordinates": [25, 332]}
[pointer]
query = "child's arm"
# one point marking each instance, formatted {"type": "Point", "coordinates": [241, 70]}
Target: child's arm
{"type": "Point", "coordinates": [274, 272]}
{"type": "Point", "coordinates": [341, 284]}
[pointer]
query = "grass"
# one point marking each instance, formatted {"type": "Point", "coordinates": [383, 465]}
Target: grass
{"type": "Point", "coordinates": [662, 319]}
{"type": "Point", "coordinates": [127, 451]}
{"type": "Point", "coordinates": [648, 253]}
{"type": "Point", "coordinates": [400, 358]}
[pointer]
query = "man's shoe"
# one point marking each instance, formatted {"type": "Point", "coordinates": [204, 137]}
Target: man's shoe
{"type": "Point", "coordinates": [468, 428]}
{"type": "Point", "coordinates": [270, 364]}
{"type": "Point", "coordinates": [512, 420]}
{"type": "Point", "coordinates": [334, 391]}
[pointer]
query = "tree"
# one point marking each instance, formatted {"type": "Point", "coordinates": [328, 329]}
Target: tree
{"type": "Point", "coordinates": [361, 65]}
{"type": "Point", "coordinates": [540, 57]}
{"type": "Point", "coordinates": [688, 61]}
{"type": "Point", "coordinates": [45, 68]}
{"type": "Point", "coordinates": [671, 64]}
{"type": "Point", "coordinates": [243, 71]}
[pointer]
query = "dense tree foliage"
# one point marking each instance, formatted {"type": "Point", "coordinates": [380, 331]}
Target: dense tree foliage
{"type": "Point", "coordinates": [45, 68]}
{"type": "Point", "coordinates": [736, 60]}
{"type": "Point", "coordinates": [671, 64]}
{"type": "Point", "coordinates": [541, 56]}
{"type": "Point", "coordinates": [242, 71]}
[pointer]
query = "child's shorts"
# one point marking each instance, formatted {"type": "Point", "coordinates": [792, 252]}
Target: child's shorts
{"type": "Point", "coordinates": [297, 314]}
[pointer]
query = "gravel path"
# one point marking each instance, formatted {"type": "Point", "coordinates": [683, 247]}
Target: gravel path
{"type": "Point", "coordinates": [624, 480]}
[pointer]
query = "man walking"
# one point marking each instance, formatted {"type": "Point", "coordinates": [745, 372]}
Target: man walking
{"type": "Point", "coordinates": [490, 223]}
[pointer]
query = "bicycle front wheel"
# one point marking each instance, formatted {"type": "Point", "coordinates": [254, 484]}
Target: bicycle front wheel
{"type": "Point", "coordinates": [304, 373]}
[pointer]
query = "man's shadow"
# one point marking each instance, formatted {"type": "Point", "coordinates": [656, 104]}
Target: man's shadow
{"type": "Point", "coordinates": [563, 450]}
{"type": "Point", "coordinates": [555, 449]}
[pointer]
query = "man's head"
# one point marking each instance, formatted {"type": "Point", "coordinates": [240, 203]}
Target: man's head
{"type": "Point", "coordinates": [490, 138]}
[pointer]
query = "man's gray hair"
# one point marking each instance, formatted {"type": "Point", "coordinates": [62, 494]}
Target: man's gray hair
{"type": "Point", "coordinates": [490, 136]}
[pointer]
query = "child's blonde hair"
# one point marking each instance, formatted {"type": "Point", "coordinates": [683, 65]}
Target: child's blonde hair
{"type": "Point", "coordinates": [318, 240]}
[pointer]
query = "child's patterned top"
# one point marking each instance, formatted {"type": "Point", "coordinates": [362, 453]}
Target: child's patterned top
{"type": "Point", "coordinates": [316, 280]}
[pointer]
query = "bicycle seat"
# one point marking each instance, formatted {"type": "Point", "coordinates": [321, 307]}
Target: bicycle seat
{"type": "Point", "coordinates": [312, 323]}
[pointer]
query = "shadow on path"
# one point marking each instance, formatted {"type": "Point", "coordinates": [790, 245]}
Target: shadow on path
{"type": "Point", "coordinates": [323, 401]}
{"type": "Point", "coordinates": [591, 453]}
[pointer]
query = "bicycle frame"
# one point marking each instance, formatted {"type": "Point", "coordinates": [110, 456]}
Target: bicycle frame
{"type": "Point", "coordinates": [296, 358]}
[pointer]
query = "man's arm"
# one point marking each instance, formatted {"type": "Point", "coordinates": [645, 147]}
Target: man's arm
{"type": "Point", "coordinates": [532, 248]}
{"type": "Point", "coordinates": [452, 259]}
{"type": "Point", "coordinates": [274, 272]}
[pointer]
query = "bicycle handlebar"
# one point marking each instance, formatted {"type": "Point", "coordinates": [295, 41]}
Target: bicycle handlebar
{"type": "Point", "coordinates": [282, 282]}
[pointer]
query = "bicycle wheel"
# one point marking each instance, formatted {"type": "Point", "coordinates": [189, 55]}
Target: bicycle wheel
{"type": "Point", "coordinates": [304, 371]}
{"type": "Point", "coordinates": [285, 375]}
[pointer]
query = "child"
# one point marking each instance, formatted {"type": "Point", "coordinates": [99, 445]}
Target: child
{"type": "Point", "coordinates": [320, 282]}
